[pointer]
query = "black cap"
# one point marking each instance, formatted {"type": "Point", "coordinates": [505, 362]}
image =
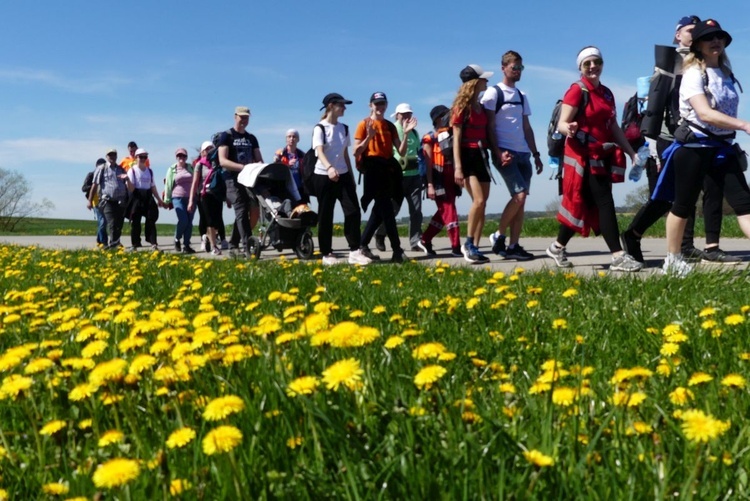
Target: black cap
{"type": "Point", "coordinates": [378, 97]}
{"type": "Point", "coordinates": [101, 161]}
{"type": "Point", "coordinates": [334, 97]}
{"type": "Point", "coordinates": [437, 112]}
{"type": "Point", "coordinates": [709, 27]}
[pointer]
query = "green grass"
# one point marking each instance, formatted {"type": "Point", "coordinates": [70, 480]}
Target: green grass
{"type": "Point", "coordinates": [381, 436]}
{"type": "Point", "coordinates": [533, 227]}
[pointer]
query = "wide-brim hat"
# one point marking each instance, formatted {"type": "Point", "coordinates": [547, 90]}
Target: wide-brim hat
{"type": "Point", "coordinates": [710, 27]}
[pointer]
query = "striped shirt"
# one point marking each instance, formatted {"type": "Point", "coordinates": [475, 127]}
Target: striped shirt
{"type": "Point", "coordinates": [111, 187]}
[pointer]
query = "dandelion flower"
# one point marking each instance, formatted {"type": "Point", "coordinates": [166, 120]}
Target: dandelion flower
{"type": "Point", "coordinates": [13, 385]}
{"type": "Point", "coordinates": [669, 349]}
{"type": "Point", "coordinates": [699, 378]}
{"type": "Point", "coordinates": [428, 350]}
{"type": "Point", "coordinates": [563, 396]}
{"type": "Point", "coordinates": [295, 442]}
{"type": "Point", "coordinates": [680, 396]}
{"type": "Point", "coordinates": [52, 427]}
{"type": "Point", "coordinates": [346, 372]}
{"type": "Point", "coordinates": [178, 486]}
{"type": "Point", "coordinates": [221, 439]}
{"type": "Point", "coordinates": [220, 408]}
{"type": "Point", "coordinates": [393, 342]}
{"type": "Point", "coordinates": [734, 319]}
{"type": "Point", "coordinates": [111, 370]}
{"type": "Point", "coordinates": [429, 375]}
{"type": "Point", "coordinates": [639, 428]}
{"type": "Point", "coordinates": [538, 459]}
{"type": "Point", "coordinates": [559, 323]}
{"type": "Point", "coordinates": [116, 472]}
{"type": "Point", "coordinates": [111, 437]}
{"type": "Point", "coordinates": [733, 381]}
{"type": "Point", "coordinates": [304, 385]}
{"type": "Point", "coordinates": [55, 489]}
{"type": "Point", "coordinates": [707, 312]}
{"type": "Point", "coordinates": [700, 427]}
{"type": "Point", "coordinates": [180, 438]}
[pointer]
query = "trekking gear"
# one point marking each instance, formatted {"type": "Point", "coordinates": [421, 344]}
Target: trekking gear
{"type": "Point", "coordinates": [307, 164]}
{"type": "Point", "coordinates": [213, 180]}
{"type": "Point", "coordinates": [501, 99]}
{"type": "Point", "coordinates": [555, 140]}
{"type": "Point", "coordinates": [631, 122]}
{"type": "Point", "coordinates": [88, 182]}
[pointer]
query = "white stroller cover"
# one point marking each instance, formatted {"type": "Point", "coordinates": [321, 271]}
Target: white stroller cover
{"type": "Point", "coordinates": [248, 176]}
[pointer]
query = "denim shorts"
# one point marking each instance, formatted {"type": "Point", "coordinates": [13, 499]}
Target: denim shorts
{"type": "Point", "coordinates": [517, 175]}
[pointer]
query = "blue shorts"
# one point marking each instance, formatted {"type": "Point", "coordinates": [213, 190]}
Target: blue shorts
{"type": "Point", "coordinates": [517, 175]}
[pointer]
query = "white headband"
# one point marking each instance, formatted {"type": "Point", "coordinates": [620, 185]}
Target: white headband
{"type": "Point", "coordinates": [587, 52]}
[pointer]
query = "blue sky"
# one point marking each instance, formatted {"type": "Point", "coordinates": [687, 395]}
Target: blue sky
{"type": "Point", "coordinates": [77, 77]}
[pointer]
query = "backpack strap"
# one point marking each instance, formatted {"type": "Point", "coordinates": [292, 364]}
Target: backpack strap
{"type": "Point", "coordinates": [501, 99]}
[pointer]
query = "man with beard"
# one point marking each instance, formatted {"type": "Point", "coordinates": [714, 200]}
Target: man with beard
{"type": "Point", "coordinates": [512, 145]}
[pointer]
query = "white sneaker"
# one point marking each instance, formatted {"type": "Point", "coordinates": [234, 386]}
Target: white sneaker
{"type": "Point", "coordinates": [676, 266]}
{"type": "Point", "coordinates": [356, 257]}
{"type": "Point", "coordinates": [204, 239]}
{"type": "Point", "coordinates": [224, 245]}
{"type": "Point", "coordinates": [330, 260]}
{"type": "Point", "coordinates": [559, 255]}
{"type": "Point", "coordinates": [216, 252]}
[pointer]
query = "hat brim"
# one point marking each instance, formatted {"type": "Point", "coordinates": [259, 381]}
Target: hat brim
{"type": "Point", "coordinates": [377, 101]}
{"type": "Point", "coordinates": [486, 75]}
{"type": "Point", "coordinates": [726, 36]}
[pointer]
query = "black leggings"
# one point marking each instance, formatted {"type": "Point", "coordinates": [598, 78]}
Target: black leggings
{"type": "Point", "coordinates": [345, 191]}
{"type": "Point", "coordinates": [695, 167]}
{"type": "Point", "coordinates": [598, 192]}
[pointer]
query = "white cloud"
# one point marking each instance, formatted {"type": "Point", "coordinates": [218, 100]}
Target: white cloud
{"type": "Point", "coordinates": [88, 85]}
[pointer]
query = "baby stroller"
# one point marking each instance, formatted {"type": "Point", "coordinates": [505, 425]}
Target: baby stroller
{"type": "Point", "coordinates": [284, 222]}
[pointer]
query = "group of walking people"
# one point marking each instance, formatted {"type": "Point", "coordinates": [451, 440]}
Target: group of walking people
{"type": "Point", "coordinates": [694, 152]}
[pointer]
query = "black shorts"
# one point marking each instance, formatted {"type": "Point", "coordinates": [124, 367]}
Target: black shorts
{"type": "Point", "coordinates": [472, 164]}
{"type": "Point", "coordinates": [212, 208]}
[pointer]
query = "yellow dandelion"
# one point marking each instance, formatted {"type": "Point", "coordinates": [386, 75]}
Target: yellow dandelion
{"type": "Point", "coordinates": [559, 323]}
{"type": "Point", "coordinates": [669, 349]}
{"type": "Point", "coordinates": [532, 304]}
{"type": "Point", "coordinates": [538, 388]}
{"type": "Point", "coordinates": [379, 309]}
{"type": "Point", "coordinates": [56, 488]}
{"type": "Point", "coordinates": [52, 427]}
{"type": "Point", "coordinates": [304, 385]}
{"type": "Point", "coordinates": [180, 438]}
{"type": "Point", "coordinates": [111, 370]}
{"type": "Point", "coordinates": [563, 396]}
{"type": "Point", "coordinates": [221, 439]}
{"type": "Point", "coordinates": [639, 428]}
{"type": "Point", "coordinates": [221, 407]}
{"type": "Point", "coordinates": [507, 388]}
{"type": "Point", "coordinates": [393, 342]}
{"type": "Point", "coordinates": [428, 350]}
{"type": "Point", "coordinates": [537, 458]}
{"type": "Point", "coordinates": [94, 349]}
{"type": "Point", "coordinates": [700, 427]}
{"type": "Point", "coordinates": [707, 312]}
{"type": "Point", "coordinates": [346, 372]}
{"type": "Point", "coordinates": [429, 375]}
{"type": "Point", "coordinates": [734, 319]}
{"type": "Point", "coordinates": [699, 378]}
{"type": "Point", "coordinates": [734, 381]}
{"type": "Point", "coordinates": [680, 396]}
{"type": "Point", "coordinates": [116, 472]}
{"type": "Point", "coordinates": [141, 363]}
{"type": "Point", "coordinates": [295, 442]}
{"type": "Point", "coordinates": [569, 293]}
{"type": "Point", "coordinates": [709, 324]}
{"type": "Point", "coordinates": [82, 391]}
{"type": "Point", "coordinates": [14, 385]}
{"type": "Point", "coordinates": [38, 365]}
{"type": "Point", "coordinates": [178, 486]}
{"type": "Point", "coordinates": [111, 437]}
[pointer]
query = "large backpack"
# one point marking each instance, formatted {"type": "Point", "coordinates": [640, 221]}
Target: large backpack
{"type": "Point", "coordinates": [631, 122]}
{"type": "Point", "coordinates": [555, 140]}
{"type": "Point", "coordinates": [88, 182]}
{"type": "Point", "coordinates": [307, 165]}
{"type": "Point", "coordinates": [213, 181]}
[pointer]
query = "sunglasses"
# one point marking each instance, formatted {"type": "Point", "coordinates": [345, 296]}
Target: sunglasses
{"type": "Point", "coordinates": [143, 157]}
{"type": "Point", "coordinates": [715, 36]}
{"type": "Point", "coordinates": [592, 62]}
{"type": "Point", "coordinates": [517, 67]}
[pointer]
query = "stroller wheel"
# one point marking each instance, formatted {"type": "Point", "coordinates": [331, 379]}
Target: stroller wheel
{"type": "Point", "coordinates": [305, 246]}
{"type": "Point", "coordinates": [253, 247]}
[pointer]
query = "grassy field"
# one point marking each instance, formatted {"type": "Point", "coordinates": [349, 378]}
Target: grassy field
{"type": "Point", "coordinates": [533, 227]}
{"type": "Point", "coordinates": [145, 376]}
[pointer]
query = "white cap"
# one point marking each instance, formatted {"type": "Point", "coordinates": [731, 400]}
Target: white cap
{"type": "Point", "coordinates": [140, 151]}
{"type": "Point", "coordinates": [402, 108]}
{"type": "Point", "coordinates": [206, 144]}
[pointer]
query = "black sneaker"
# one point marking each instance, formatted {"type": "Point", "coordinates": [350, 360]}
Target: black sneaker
{"type": "Point", "coordinates": [692, 255]}
{"type": "Point", "coordinates": [518, 253]}
{"type": "Point", "coordinates": [177, 246]}
{"type": "Point", "coordinates": [498, 244]}
{"type": "Point", "coordinates": [380, 243]}
{"type": "Point", "coordinates": [398, 256]}
{"type": "Point", "coordinates": [188, 250]}
{"type": "Point", "coordinates": [426, 247]}
{"type": "Point", "coordinates": [368, 254]}
{"type": "Point", "coordinates": [718, 256]}
{"type": "Point", "coordinates": [632, 245]}
{"type": "Point", "coordinates": [456, 251]}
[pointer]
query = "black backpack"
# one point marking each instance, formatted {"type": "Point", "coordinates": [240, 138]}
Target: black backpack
{"type": "Point", "coordinates": [555, 140]}
{"type": "Point", "coordinates": [307, 165]}
{"type": "Point", "coordinates": [501, 99]}
{"type": "Point", "coordinates": [88, 182]}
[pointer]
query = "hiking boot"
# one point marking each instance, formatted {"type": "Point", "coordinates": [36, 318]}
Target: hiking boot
{"type": "Point", "coordinates": [426, 247]}
{"type": "Point", "coordinates": [691, 254]}
{"type": "Point", "coordinates": [675, 265]}
{"type": "Point", "coordinates": [498, 244]}
{"type": "Point", "coordinates": [358, 257]}
{"type": "Point", "coordinates": [456, 251]}
{"type": "Point", "coordinates": [717, 256]}
{"type": "Point", "coordinates": [188, 250]}
{"type": "Point", "coordinates": [330, 260]}
{"type": "Point", "coordinates": [204, 243]}
{"type": "Point", "coordinates": [380, 243]}
{"type": "Point", "coordinates": [632, 245]}
{"type": "Point", "coordinates": [559, 255]}
{"type": "Point", "coordinates": [398, 256]}
{"type": "Point", "coordinates": [365, 251]}
{"type": "Point", "coordinates": [177, 246]}
{"type": "Point", "coordinates": [518, 253]}
{"type": "Point", "coordinates": [625, 262]}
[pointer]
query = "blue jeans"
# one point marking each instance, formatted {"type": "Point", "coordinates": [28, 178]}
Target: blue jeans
{"type": "Point", "coordinates": [184, 228]}
{"type": "Point", "coordinates": [101, 228]}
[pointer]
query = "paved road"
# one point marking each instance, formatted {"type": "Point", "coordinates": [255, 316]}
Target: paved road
{"type": "Point", "coordinates": [589, 255]}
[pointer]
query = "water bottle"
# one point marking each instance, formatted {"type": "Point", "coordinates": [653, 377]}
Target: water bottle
{"type": "Point", "coordinates": [641, 156]}
{"type": "Point", "coordinates": [554, 165]}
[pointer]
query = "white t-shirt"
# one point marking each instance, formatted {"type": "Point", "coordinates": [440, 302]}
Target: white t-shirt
{"type": "Point", "coordinates": [141, 179]}
{"type": "Point", "coordinates": [721, 88]}
{"type": "Point", "coordinates": [509, 119]}
{"type": "Point", "coordinates": [336, 140]}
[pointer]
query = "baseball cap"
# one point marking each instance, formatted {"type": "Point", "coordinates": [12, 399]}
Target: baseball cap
{"type": "Point", "coordinates": [474, 71]}
{"type": "Point", "coordinates": [181, 151]}
{"type": "Point", "coordinates": [437, 112]}
{"type": "Point", "coordinates": [685, 21]}
{"type": "Point", "coordinates": [101, 161]}
{"type": "Point", "coordinates": [111, 150]}
{"type": "Point", "coordinates": [710, 27]}
{"type": "Point", "coordinates": [334, 97]}
{"type": "Point", "coordinates": [242, 111]}
{"type": "Point", "coordinates": [402, 108]}
{"type": "Point", "coordinates": [206, 144]}
{"type": "Point", "coordinates": [140, 151]}
{"type": "Point", "coordinates": [378, 97]}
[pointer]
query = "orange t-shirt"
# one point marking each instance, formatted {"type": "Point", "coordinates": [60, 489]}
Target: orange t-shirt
{"type": "Point", "coordinates": [128, 162]}
{"type": "Point", "coordinates": [381, 145]}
